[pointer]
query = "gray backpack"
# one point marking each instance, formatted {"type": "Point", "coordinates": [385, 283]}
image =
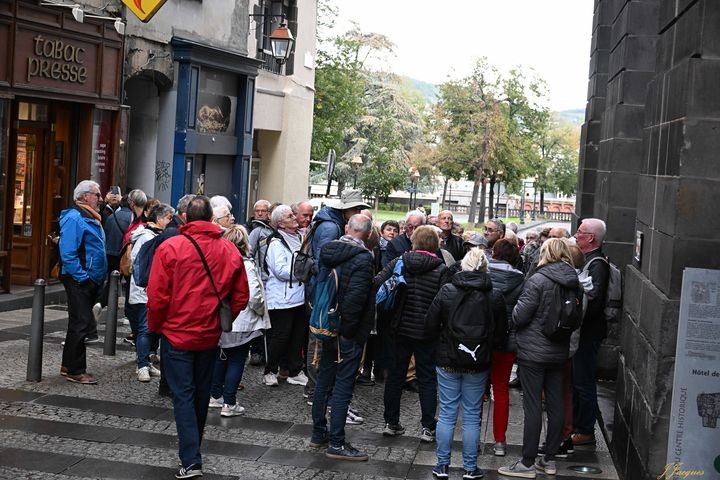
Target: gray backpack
{"type": "Point", "coordinates": [614, 296]}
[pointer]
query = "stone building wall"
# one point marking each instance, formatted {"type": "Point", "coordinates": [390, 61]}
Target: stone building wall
{"type": "Point", "coordinates": [658, 172]}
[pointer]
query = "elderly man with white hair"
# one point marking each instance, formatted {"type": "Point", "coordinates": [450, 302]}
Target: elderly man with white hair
{"type": "Point", "coordinates": [589, 237]}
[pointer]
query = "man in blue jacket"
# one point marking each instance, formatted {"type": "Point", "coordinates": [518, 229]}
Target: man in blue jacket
{"type": "Point", "coordinates": [84, 266]}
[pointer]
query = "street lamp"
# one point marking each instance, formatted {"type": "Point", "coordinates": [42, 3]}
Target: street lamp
{"type": "Point", "coordinates": [281, 43]}
{"type": "Point", "coordinates": [414, 176]}
{"type": "Point", "coordinates": [526, 184]}
{"type": "Point", "coordinates": [355, 164]}
{"type": "Point", "coordinates": [534, 197]}
{"type": "Point", "coordinates": [497, 200]}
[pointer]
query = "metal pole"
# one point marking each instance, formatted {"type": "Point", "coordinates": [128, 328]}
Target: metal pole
{"type": "Point", "coordinates": [522, 207]}
{"type": "Point", "coordinates": [534, 197]}
{"type": "Point", "coordinates": [37, 327]}
{"type": "Point", "coordinates": [112, 312]}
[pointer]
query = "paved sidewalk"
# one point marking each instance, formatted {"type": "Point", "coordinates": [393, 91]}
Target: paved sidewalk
{"type": "Point", "coordinates": [122, 429]}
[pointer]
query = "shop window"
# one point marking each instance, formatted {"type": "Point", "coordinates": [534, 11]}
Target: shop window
{"type": "Point", "coordinates": [216, 102]}
{"type": "Point", "coordinates": [25, 164]}
{"type": "Point", "coordinates": [35, 112]}
{"type": "Point", "coordinates": [4, 141]}
{"type": "Point", "coordinates": [101, 160]}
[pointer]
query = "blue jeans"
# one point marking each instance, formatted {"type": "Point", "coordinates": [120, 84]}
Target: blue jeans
{"type": "Point", "coordinates": [454, 389]}
{"type": "Point", "coordinates": [343, 374]}
{"type": "Point", "coordinates": [189, 374]}
{"type": "Point", "coordinates": [424, 350]}
{"type": "Point", "coordinates": [229, 367]}
{"type": "Point", "coordinates": [585, 404]}
{"type": "Point", "coordinates": [144, 338]}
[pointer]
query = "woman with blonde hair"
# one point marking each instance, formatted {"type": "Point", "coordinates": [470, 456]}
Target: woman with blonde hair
{"type": "Point", "coordinates": [464, 316]}
{"type": "Point", "coordinates": [542, 357]}
{"type": "Point", "coordinates": [235, 345]}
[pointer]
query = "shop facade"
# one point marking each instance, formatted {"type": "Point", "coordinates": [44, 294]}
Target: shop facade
{"type": "Point", "coordinates": [60, 122]}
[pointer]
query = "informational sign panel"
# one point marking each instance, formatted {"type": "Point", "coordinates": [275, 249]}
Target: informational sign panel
{"type": "Point", "coordinates": [694, 438]}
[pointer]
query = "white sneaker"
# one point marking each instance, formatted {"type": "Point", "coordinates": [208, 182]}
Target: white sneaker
{"type": "Point", "coordinates": [97, 312]}
{"type": "Point", "coordinates": [353, 419]}
{"type": "Point", "coordinates": [123, 321]}
{"type": "Point", "coordinates": [232, 410]}
{"type": "Point", "coordinates": [270, 379]}
{"type": "Point", "coordinates": [143, 374]}
{"type": "Point", "coordinates": [216, 402]}
{"type": "Point", "coordinates": [299, 379]}
{"type": "Point", "coordinates": [154, 371]}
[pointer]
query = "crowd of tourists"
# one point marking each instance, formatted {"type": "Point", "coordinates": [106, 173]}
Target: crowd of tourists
{"type": "Point", "coordinates": [205, 294]}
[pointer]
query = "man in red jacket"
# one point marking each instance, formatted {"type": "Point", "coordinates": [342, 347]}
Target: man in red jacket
{"type": "Point", "coordinates": [183, 308]}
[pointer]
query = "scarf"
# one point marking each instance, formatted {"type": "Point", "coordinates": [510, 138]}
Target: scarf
{"type": "Point", "coordinates": [90, 210]}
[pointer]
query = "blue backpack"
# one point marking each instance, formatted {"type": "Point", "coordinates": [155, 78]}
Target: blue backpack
{"type": "Point", "coordinates": [391, 293]}
{"type": "Point", "coordinates": [325, 314]}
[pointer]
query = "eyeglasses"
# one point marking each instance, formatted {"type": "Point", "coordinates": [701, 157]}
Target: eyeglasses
{"type": "Point", "coordinates": [582, 233]}
{"type": "Point", "coordinates": [229, 215]}
{"type": "Point", "coordinates": [95, 193]}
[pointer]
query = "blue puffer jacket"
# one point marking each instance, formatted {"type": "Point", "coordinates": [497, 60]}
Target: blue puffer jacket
{"type": "Point", "coordinates": [329, 225]}
{"type": "Point", "coordinates": [82, 246]}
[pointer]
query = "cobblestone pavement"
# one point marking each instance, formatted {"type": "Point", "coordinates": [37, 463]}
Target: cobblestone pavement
{"type": "Point", "coordinates": [122, 428]}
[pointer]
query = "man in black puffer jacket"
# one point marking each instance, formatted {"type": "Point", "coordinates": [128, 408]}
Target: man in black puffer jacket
{"type": "Point", "coordinates": [354, 265]}
{"type": "Point", "coordinates": [425, 273]}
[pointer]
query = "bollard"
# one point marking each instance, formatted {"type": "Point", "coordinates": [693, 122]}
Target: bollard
{"type": "Point", "coordinates": [112, 312]}
{"type": "Point", "coordinates": [37, 331]}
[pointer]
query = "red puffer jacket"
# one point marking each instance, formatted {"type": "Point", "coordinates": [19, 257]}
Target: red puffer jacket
{"type": "Point", "coordinates": [182, 304]}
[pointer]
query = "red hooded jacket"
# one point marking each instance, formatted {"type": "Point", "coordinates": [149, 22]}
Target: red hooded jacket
{"type": "Point", "coordinates": [182, 304]}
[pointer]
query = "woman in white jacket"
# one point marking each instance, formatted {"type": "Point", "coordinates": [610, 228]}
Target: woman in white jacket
{"type": "Point", "coordinates": [158, 218]}
{"type": "Point", "coordinates": [286, 300]}
{"type": "Point", "coordinates": [248, 325]}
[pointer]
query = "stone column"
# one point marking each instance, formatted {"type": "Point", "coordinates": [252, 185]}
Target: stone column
{"type": "Point", "coordinates": [677, 196]}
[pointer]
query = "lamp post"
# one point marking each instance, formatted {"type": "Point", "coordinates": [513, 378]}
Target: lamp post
{"type": "Point", "coordinates": [534, 197]}
{"type": "Point", "coordinates": [497, 200]}
{"type": "Point", "coordinates": [526, 184]}
{"type": "Point", "coordinates": [522, 206]}
{"type": "Point", "coordinates": [355, 164]}
{"type": "Point", "coordinates": [414, 176]}
{"type": "Point", "coordinates": [281, 43]}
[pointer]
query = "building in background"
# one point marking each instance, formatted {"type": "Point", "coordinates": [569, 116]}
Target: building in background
{"type": "Point", "coordinates": [61, 121]}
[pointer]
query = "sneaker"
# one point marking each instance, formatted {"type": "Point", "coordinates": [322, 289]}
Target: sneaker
{"type": "Point", "coordinates": [123, 321]}
{"type": "Point", "coordinates": [129, 339]}
{"type": "Point", "coordinates": [565, 449]}
{"type": "Point", "coordinates": [89, 340]}
{"type": "Point", "coordinates": [63, 371]}
{"type": "Point", "coordinates": [232, 410]}
{"type": "Point", "coordinates": [154, 371]}
{"type": "Point", "coordinates": [393, 430]}
{"type": "Point", "coordinates": [499, 449]}
{"type": "Point", "coordinates": [194, 470]}
{"type": "Point", "coordinates": [353, 418]}
{"type": "Point", "coordinates": [256, 359]}
{"type": "Point", "coordinates": [440, 471]}
{"type": "Point", "coordinates": [270, 379]}
{"type": "Point", "coordinates": [82, 378]}
{"type": "Point", "coordinates": [473, 474]}
{"type": "Point", "coordinates": [215, 402]}
{"type": "Point", "coordinates": [517, 469]}
{"type": "Point", "coordinates": [427, 435]}
{"type": "Point", "coordinates": [299, 379]}
{"type": "Point", "coordinates": [547, 466]}
{"type": "Point", "coordinates": [323, 442]}
{"type": "Point", "coordinates": [346, 452]}
{"type": "Point", "coordinates": [97, 312]}
{"type": "Point", "coordinates": [143, 374]}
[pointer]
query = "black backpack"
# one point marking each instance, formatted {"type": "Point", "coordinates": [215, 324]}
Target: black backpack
{"type": "Point", "coordinates": [470, 332]}
{"type": "Point", "coordinates": [565, 314]}
{"type": "Point", "coordinates": [304, 264]}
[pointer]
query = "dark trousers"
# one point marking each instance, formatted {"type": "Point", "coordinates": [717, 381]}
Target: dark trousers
{"type": "Point", "coordinates": [288, 333]}
{"type": "Point", "coordinates": [189, 374]}
{"type": "Point", "coordinates": [424, 350]}
{"type": "Point", "coordinates": [80, 298]}
{"type": "Point", "coordinates": [337, 379]}
{"type": "Point", "coordinates": [229, 368]}
{"type": "Point", "coordinates": [535, 379]}
{"type": "Point", "coordinates": [585, 404]}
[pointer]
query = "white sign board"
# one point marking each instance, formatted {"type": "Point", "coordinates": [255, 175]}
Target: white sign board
{"type": "Point", "coordinates": [694, 437]}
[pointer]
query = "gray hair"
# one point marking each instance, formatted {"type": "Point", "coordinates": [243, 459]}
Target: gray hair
{"type": "Point", "coordinates": [220, 211]}
{"type": "Point", "coordinates": [597, 227]}
{"type": "Point", "coordinates": [278, 213]}
{"type": "Point", "coordinates": [262, 202]}
{"type": "Point", "coordinates": [416, 213]}
{"type": "Point", "coordinates": [499, 224]}
{"type": "Point", "coordinates": [360, 223]}
{"type": "Point", "coordinates": [220, 201]}
{"type": "Point", "coordinates": [296, 206]}
{"type": "Point", "coordinates": [513, 226]}
{"type": "Point", "coordinates": [184, 202]}
{"type": "Point", "coordinates": [84, 187]}
{"type": "Point", "coordinates": [137, 197]}
{"type": "Point", "coordinates": [159, 211]}
{"type": "Point", "coordinates": [474, 260]}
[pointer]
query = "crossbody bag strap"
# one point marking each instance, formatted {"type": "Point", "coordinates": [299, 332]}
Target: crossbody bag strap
{"type": "Point", "coordinates": [205, 264]}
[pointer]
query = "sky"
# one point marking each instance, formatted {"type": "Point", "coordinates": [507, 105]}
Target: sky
{"type": "Point", "coordinates": [436, 41]}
